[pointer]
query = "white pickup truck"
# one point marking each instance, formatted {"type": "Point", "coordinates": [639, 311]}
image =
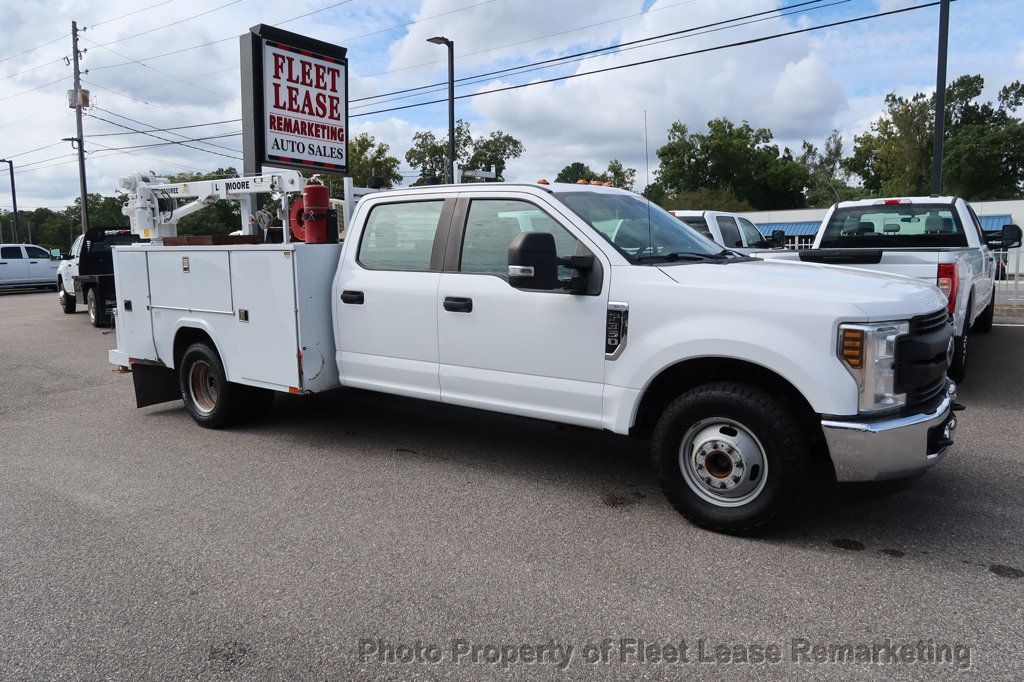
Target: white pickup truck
{"type": "Point", "coordinates": [582, 305]}
{"type": "Point", "coordinates": [936, 239]}
{"type": "Point", "coordinates": [730, 230]}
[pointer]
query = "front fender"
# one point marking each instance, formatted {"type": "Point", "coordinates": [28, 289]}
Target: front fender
{"type": "Point", "coordinates": [802, 354]}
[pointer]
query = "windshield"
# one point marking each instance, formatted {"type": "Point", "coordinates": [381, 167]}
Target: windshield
{"type": "Point", "coordinates": [641, 231]}
{"type": "Point", "coordinates": [894, 226]}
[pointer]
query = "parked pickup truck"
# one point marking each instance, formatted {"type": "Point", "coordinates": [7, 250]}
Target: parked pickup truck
{"type": "Point", "coordinates": [730, 230]}
{"type": "Point", "coordinates": [27, 265]}
{"type": "Point", "coordinates": [86, 274]}
{"type": "Point", "coordinates": [583, 305]}
{"type": "Point", "coordinates": [936, 239]}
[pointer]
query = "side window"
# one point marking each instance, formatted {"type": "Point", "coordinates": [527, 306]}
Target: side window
{"type": "Point", "coordinates": [700, 225]}
{"type": "Point", "coordinates": [11, 253]}
{"type": "Point", "coordinates": [76, 248]}
{"type": "Point", "coordinates": [400, 236]}
{"type": "Point", "coordinates": [977, 225]}
{"type": "Point", "coordinates": [755, 239]}
{"type": "Point", "coordinates": [730, 232]}
{"type": "Point", "coordinates": [36, 252]}
{"type": "Point", "coordinates": [491, 226]}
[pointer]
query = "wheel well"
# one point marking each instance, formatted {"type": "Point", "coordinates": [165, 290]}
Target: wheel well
{"type": "Point", "coordinates": [675, 380]}
{"type": "Point", "coordinates": [185, 337]}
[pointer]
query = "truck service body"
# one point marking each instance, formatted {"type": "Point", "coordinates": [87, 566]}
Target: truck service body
{"type": "Point", "coordinates": [742, 371]}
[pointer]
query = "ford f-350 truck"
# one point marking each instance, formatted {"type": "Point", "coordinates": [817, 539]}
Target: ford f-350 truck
{"type": "Point", "coordinates": [583, 305]}
{"type": "Point", "coordinates": [936, 239]}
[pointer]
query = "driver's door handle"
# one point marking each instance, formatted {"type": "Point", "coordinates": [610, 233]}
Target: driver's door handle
{"type": "Point", "coordinates": [455, 304]}
{"type": "Point", "coordinates": [352, 297]}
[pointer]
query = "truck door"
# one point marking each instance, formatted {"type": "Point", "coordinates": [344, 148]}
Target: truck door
{"type": "Point", "coordinates": [532, 353]}
{"type": "Point", "coordinates": [72, 266]}
{"type": "Point", "coordinates": [42, 269]}
{"type": "Point", "coordinates": [13, 265]}
{"type": "Point", "coordinates": [386, 312]}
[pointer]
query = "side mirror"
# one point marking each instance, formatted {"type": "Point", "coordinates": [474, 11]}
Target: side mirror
{"type": "Point", "coordinates": [1011, 237]}
{"type": "Point", "coordinates": [66, 256]}
{"type": "Point", "coordinates": [54, 254]}
{"type": "Point", "coordinates": [533, 261]}
{"type": "Point", "coordinates": [778, 239]}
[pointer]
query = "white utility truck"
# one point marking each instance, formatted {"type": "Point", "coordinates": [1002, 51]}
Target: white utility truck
{"type": "Point", "coordinates": [577, 304]}
{"type": "Point", "coordinates": [936, 239]}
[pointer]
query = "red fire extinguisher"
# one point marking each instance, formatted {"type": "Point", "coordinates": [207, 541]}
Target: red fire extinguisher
{"type": "Point", "coordinates": [309, 215]}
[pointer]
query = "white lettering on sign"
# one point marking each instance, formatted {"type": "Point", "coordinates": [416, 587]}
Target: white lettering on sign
{"type": "Point", "coordinates": [305, 105]}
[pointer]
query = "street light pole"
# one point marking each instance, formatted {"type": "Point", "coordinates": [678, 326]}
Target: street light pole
{"type": "Point", "coordinates": [441, 40]}
{"type": "Point", "coordinates": [14, 196]}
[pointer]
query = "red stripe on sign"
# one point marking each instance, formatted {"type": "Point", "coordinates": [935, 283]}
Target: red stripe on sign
{"type": "Point", "coordinates": [306, 53]}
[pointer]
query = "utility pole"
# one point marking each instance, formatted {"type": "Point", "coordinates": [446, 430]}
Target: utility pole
{"type": "Point", "coordinates": [77, 99]}
{"type": "Point", "coordinates": [14, 196]}
{"type": "Point", "coordinates": [940, 99]}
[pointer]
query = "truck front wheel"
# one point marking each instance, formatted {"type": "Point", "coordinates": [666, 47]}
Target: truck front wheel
{"type": "Point", "coordinates": [730, 457]}
{"type": "Point", "coordinates": [209, 397]}
{"type": "Point", "coordinates": [66, 300]}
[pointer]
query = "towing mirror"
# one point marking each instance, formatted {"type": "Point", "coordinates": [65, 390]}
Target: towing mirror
{"type": "Point", "coordinates": [778, 239]}
{"type": "Point", "coordinates": [533, 261]}
{"type": "Point", "coordinates": [1011, 236]}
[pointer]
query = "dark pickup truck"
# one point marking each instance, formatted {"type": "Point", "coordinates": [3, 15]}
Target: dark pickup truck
{"type": "Point", "coordinates": [86, 274]}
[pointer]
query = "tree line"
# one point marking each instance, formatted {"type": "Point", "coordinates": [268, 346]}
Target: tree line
{"type": "Point", "coordinates": [728, 166]}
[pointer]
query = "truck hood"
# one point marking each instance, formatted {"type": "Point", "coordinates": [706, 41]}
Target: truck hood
{"type": "Point", "coordinates": [876, 295]}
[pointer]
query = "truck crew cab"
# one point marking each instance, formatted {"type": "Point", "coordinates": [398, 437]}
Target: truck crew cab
{"type": "Point", "coordinates": [583, 305]}
{"type": "Point", "coordinates": [86, 274]}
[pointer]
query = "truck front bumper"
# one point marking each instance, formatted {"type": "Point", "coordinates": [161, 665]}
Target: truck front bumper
{"type": "Point", "coordinates": [893, 447]}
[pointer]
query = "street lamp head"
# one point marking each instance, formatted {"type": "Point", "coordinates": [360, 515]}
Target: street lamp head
{"type": "Point", "coordinates": [439, 40]}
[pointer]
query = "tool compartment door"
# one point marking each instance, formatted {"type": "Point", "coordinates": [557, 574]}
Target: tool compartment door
{"type": "Point", "coordinates": [265, 348]}
{"type": "Point", "coordinates": [134, 325]}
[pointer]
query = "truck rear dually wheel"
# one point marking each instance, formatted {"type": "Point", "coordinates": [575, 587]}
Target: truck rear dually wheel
{"type": "Point", "coordinates": [209, 397]}
{"type": "Point", "coordinates": [730, 456]}
{"type": "Point", "coordinates": [97, 309]}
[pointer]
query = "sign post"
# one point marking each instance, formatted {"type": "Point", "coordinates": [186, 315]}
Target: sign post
{"type": "Point", "coordinates": [294, 104]}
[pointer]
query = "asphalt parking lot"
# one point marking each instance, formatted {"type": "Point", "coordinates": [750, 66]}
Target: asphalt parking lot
{"type": "Point", "coordinates": [134, 544]}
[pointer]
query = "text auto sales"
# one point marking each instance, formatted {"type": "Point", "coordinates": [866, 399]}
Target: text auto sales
{"type": "Point", "coordinates": [309, 89]}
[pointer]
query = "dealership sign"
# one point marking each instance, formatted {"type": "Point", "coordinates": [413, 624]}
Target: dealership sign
{"type": "Point", "coordinates": [294, 102]}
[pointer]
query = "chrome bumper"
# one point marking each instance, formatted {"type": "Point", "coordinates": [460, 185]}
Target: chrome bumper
{"type": "Point", "coordinates": [888, 448]}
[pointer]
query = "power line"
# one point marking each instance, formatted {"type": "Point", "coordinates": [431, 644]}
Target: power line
{"type": "Point", "coordinates": [167, 141]}
{"type": "Point", "coordinates": [635, 43]}
{"type": "Point", "coordinates": [173, 23]}
{"type": "Point", "coordinates": [530, 40]}
{"type": "Point", "coordinates": [107, 21]}
{"type": "Point", "coordinates": [410, 23]}
{"type": "Point", "coordinates": [33, 49]}
{"type": "Point", "coordinates": [165, 130]}
{"type": "Point", "coordinates": [221, 40]}
{"type": "Point", "coordinates": [14, 156]}
{"type": "Point", "coordinates": [32, 68]}
{"type": "Point", "coordinates": [149, 125]}
{"type": "Point", "coordinates": [38, 87]}
{"type": "Point", "coordinates": [741, 43]}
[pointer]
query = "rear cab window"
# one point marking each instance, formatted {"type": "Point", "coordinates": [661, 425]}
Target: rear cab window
{"type": "Point", "coordinates": [893, 226]}
{"type": "Point", "coordinates": [11, 252]}
{"type": "Point", "coordinates": [730, 231]}
{"type": "Point", "coordinates": [400, 236]}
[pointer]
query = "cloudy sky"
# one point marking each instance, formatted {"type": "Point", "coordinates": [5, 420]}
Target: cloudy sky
{"type": "Point", "coordinates": [801, 86]}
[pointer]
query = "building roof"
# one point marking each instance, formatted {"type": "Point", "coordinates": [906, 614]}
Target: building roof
{"type": "Point", "coordinates": [994, 222]}
{"type": "Point", "coordinates": [801, 229]}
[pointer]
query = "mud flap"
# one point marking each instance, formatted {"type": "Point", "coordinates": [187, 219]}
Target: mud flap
{"type": "Point", "coordinates": [154, 385]}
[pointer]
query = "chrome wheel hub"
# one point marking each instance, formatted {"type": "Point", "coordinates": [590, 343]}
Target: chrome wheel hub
{"type": "Point", "coordinates": [203, 387]}
{"type": "Point", "coordinates": [723, 462]}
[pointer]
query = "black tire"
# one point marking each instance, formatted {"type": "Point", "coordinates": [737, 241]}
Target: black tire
{"type": "Point", "coordinates": [983, 325]}
{"type": "Point", "coordinates": [774, 427]}
{"type": "Point", "coordinates": [958, 366]}
{"type": "Point", "coordinates": [97, 309]}
{"type": "Point", "coordinates": [221, 403]}
{"type": "Point", "coordinates": [66, 300]}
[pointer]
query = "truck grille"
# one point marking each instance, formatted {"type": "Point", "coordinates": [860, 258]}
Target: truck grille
{"type": "Point", "coordinates": [921, 360]}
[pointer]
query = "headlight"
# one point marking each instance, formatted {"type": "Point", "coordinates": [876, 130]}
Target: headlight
{"type": "Point", "coordinates": [869, 353]}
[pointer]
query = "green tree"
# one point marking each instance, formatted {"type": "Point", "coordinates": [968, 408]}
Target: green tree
{"type": "Point", "coordinates": [429, 153]}
{"type": "Point", "coordinates": [223, 217]}
{"type": "Point", "coordinates": [368, 158]}
{"type": "Point", "coordinates": [704, 199]}
{"type": "Point", "coordinates": [983, 146]}
{"type": "Point", "coordinates": [575, 171]}
{"type": "Point", "coordinates": [827, 180]}
{"type": "Point", "coordinates": [620, 176]}
{"type": "Point", "coordinates": [740, 159]}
